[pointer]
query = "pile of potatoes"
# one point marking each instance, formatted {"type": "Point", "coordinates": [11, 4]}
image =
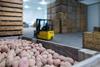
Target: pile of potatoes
{"type": "Point", "coordinates": [23, 53]}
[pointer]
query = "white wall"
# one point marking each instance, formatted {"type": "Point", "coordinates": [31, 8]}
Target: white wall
{"type": "Point", "coordinates": [93, 16]}
{"type": "Point", "coordinates": [30, 16]}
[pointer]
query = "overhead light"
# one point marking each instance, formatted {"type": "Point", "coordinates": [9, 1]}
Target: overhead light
{"type": "Point", "coordinates": [26, 6]}
{"type": "Point", "coordinates": [39, 8]}
{"type": "Point", "coordinates": [25, 0]}
{"type": "Point", "coordinates": [43, 2]}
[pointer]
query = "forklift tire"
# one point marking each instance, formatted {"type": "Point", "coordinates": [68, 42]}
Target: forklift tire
{"type": "Point", "coordinates": [51, 38]}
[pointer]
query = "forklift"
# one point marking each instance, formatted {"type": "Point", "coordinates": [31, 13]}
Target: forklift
{"type": "Point", "coordinates": [44, 30]}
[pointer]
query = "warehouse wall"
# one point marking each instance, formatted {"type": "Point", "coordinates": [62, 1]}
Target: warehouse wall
{"type": "Point", "coordinates": [93, 16]}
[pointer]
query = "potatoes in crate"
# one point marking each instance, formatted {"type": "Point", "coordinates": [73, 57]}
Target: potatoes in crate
{"type": "Point", "coordinates": [23, 53]}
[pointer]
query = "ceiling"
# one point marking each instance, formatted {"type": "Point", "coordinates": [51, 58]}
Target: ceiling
{"type": "Point", "coordinates": [31, 12]}
{"type": "Point", "coordinates": [89, 2]}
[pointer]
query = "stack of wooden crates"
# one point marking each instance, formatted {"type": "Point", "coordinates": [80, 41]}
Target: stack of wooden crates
{"type": "Point", "coordinates": [91, 40]}
{"type": "Point", "coordinates": [11, 17]}
{"type": "Point", "coordinates": [68, 16]}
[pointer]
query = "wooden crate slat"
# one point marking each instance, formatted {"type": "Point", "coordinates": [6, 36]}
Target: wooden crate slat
{"type": "Point", "coordinates": [13, 1]}
{"type": "Point", "coordinates": [6, 28]}
{"type": "Point", "coordinates": [11, 23]}
{"type": "Point", "coordinates": [5, 33]}
{"type": "Point", "coordinates": [10, 18]}
{"type": "Point", "coordinates": [10, 4]}
{"type": "Point", "coordinates": [10, 14]}
{"type": "Point", "coordinates": [10, 9]}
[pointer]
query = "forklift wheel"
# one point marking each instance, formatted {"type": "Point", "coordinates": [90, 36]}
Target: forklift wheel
{"type": "Point", "coordinates": [51, 38]}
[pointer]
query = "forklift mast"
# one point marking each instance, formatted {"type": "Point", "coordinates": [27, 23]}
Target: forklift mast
{"type": "Point", "coordinates": [43, 25]}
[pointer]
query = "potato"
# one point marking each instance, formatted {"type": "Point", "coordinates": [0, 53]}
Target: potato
{"type": "Point", "coordinates": [33, 57]}
{"type": "Point", "coordinates": [23, 53]}
{"type": "Point", "coordinates": [44, 60]}
{"type": "Point", "coordinates": [50, 51]}
{"type": "Point", "coordinates": [38, 62]}
{"type": "Point", "coordinates": [30, 52]}
{"type": "Point", "coordinates": [10, 60]}
{"type": "Point", "coordinates": [56, 56]}
{"type": "Point", "coordinates": [50, 56]}
{"type": "Point", "coordinates": [2, 56]}
{"type": "Point", "coordinates": [62, 57]}
{"type": "Point", "coordinates": [56, 62]}
{"type": "Point", "coordinates": [40, 45]}
{"type": "Point", "coordinates": [45, 52]}
{"type": "Point", "coordinates": [36, 45]}
{"type": "Point", "coordinates": [37, 53]}
{"type": "Point", "coordinates": [18, 50]}
{"type": "Point", "coordinates": [50, 61]}
{"type": "Point", "coordinates": [3, 63]}
{"type": "Point", "coordinates": [44, 56]}
{"type": "Point", "coordinates": [24, 62]}
{"type": "Point", "coordinates": [15, 63]}
{"type": "Point", "coordinates": [68, 59]}
{"type": "Point", "coordinates": [11, 53]}
{"type": "Point", "coordinates": [34, 50]}
{"type": "Point", "coordinates": [27, 48]}
{"type": "Point", "coordinates": [4, 48]}
{"type": "Point", "coordinates": [31, 62]}
{"type": "Point", "coordinates": [49, 66]}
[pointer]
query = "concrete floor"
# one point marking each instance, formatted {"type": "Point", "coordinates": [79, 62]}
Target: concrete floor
{"type": "Point", "coordinates": [69, 39]}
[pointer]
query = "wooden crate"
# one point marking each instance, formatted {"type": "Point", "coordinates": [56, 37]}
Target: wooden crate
{"type": "Point", "coordinates": [91, 40]}
{"type": "Point", "coordinates": [11, 12]}
{"type": "Point", "coordinates": [13, 1]}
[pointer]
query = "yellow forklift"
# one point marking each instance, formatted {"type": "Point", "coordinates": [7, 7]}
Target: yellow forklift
{"type": "Point", "coordinates": [44, 30]}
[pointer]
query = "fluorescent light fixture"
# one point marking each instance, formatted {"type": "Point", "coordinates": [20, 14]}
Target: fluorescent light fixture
{"type": "Point", "coordinates": [43, 2]}
{"type": "Point", "coordinates": [39, 8]}
{"type": "Point", "coordinates": [25, 0]}
{"type": "Point", "coordinates": [26, 6]}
